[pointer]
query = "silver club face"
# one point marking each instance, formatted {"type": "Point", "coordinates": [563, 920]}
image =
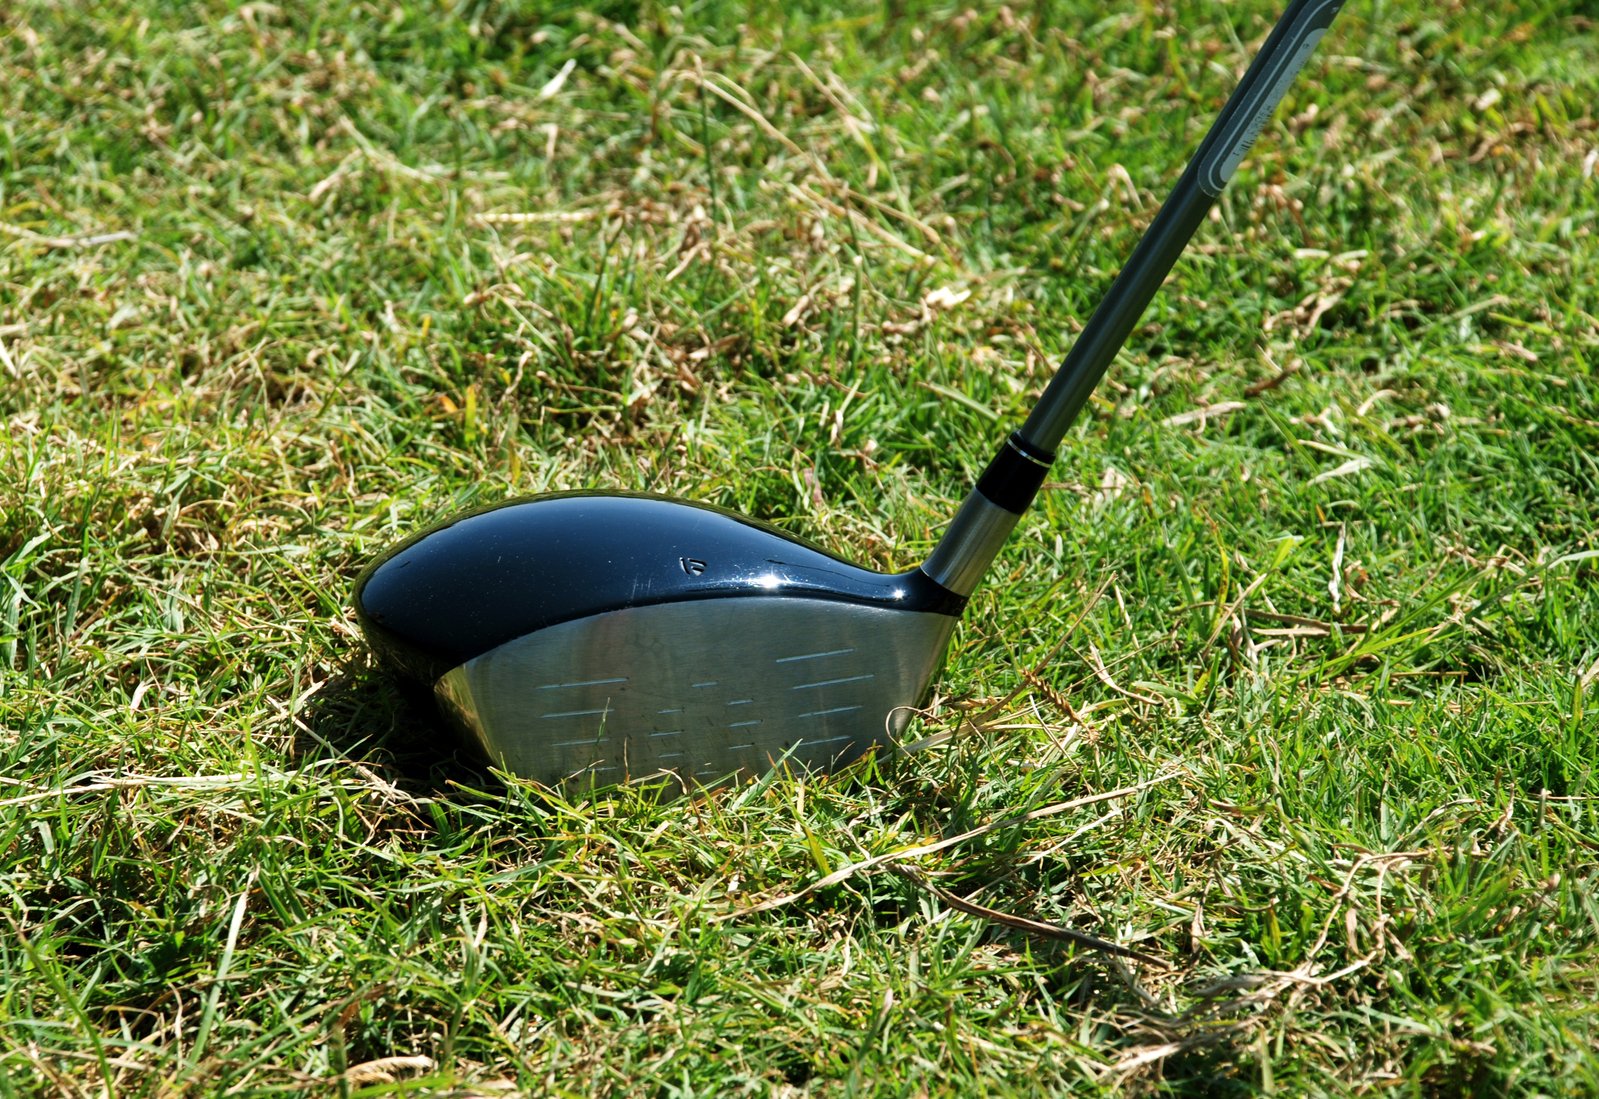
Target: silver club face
{"type": "Point", "coordinates": [701, 690]}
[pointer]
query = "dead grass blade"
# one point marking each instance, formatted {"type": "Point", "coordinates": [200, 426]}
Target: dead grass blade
{"type": "Point", "coordinates": [1024, 923]}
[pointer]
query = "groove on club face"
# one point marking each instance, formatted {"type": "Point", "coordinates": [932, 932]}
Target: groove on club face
{"type": "Point", "coordinates": [712, 689]}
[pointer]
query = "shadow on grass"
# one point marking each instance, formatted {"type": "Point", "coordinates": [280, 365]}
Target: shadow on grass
{"type": "Point", "coordinates": [1150, 1044]}
{"type": "Point", "coordinates": [391, 727]}
{"type": "Point", "coordinates": [1155, 1047]}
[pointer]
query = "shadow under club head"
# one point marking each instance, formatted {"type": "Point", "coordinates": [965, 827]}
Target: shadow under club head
{"type": "Point", "coordinates": [604, 638]}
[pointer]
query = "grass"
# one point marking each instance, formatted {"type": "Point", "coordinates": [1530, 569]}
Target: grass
{"type": "Point", "coordinates": [281, 284]}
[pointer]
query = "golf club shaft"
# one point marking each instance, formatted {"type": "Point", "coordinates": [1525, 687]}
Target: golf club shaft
{"type": "Point", "coordinates": [1011, 480]}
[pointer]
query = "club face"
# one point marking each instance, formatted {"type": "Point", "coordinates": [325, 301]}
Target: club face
{"type": "Point", "coordinates": [701, 690]}
{"type": "Point", "coordinates": [597, 639]}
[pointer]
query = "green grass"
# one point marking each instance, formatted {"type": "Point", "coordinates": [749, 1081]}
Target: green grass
{"type": "Point", "coordinates": [280, 284]}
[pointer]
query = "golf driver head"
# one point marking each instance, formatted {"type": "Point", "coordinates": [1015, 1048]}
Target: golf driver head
{"type": "Point", "coordinates": [596, 639]}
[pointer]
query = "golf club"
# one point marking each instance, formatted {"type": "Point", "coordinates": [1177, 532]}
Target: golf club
{"type": "Point", "coordinates": [605, 638]}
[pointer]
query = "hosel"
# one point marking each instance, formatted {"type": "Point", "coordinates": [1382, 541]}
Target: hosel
{"type": "Point", "coordinates": [988, 514]}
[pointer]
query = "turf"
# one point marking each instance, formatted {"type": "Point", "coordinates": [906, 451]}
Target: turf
{"type": "Point", "coordinates": [1290, 681]}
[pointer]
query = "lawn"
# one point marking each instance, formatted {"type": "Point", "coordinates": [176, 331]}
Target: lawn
{"type": "Point", "coordinates": [1290, 683]}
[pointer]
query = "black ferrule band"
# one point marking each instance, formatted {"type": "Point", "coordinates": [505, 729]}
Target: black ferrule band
{"type": "Point", "coordinates": [1013, 478]}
